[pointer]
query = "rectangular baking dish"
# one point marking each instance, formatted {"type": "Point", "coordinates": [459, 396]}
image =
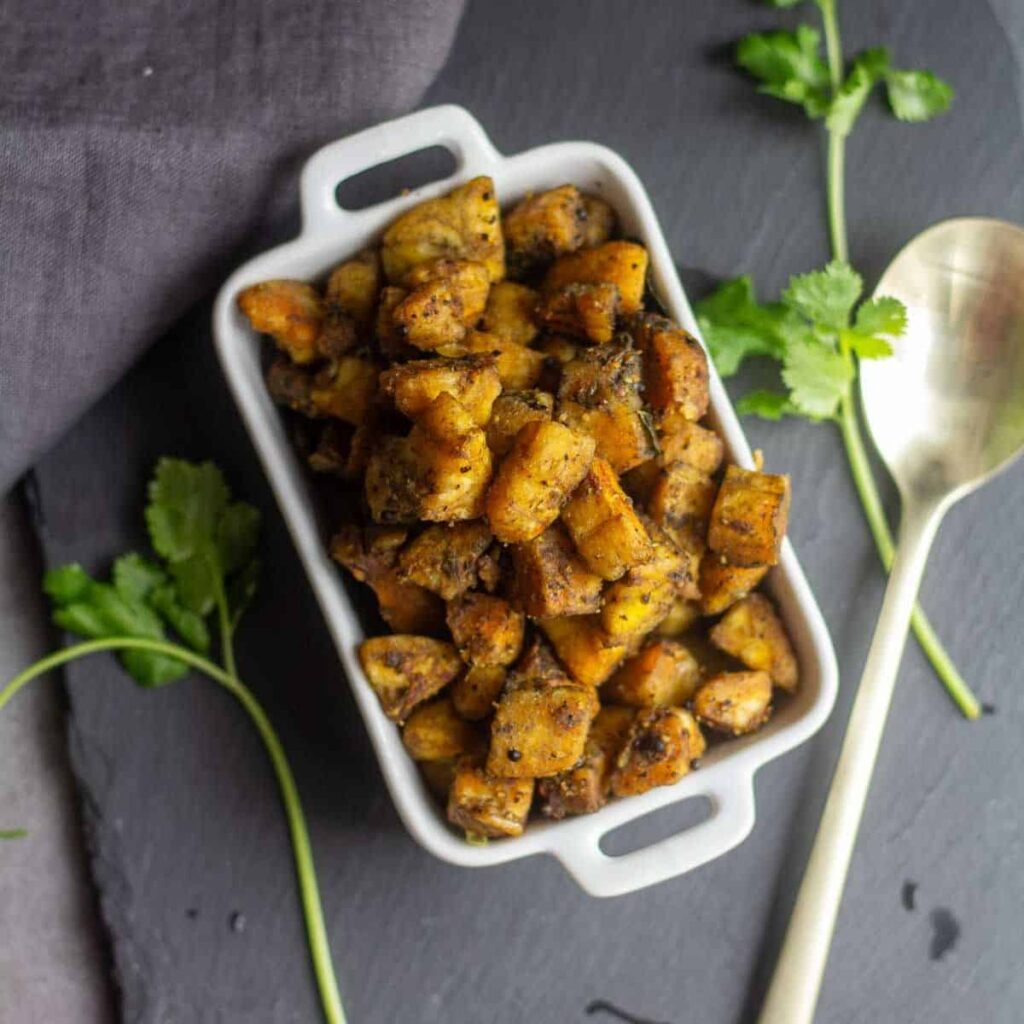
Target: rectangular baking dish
{"type": "Point", "coordinates": [330, 234]}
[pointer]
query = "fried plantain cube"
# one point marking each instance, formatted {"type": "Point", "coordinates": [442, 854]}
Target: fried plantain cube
{"type": "Point", "coordinates": [475, 693]}
{"type": "Point", "coordinates": [370, 556]}
{"type": "Point", "coordinates": [664, 672]}
{"type": "Point", "coordinates": [537, 668]}
{"type": "Point", "coordinates": [518, 367]}
{"type": "Point", "coordinates": [452, 460]}
{"type": "Point", "coordinates": [599, 222]}
{"type": "Point", "coordinates": [680, 618]}
{"type": "Point", "coordinates": [675, 371]}
{"type": "Point", "coordinates": [487, 630]}
{"type": "Point", "coordinates": [539, 732]}
{"type": "Point", "coordinates": [549, 579]}
{"type": "Point", "coordinates": [337, 452]}
{"type": "Point", "coordinates": [682, 499]}
{"type": "Point", "coordinates": [749, 518]}
{"type": "Point", "coordinates": [354, 285]}
{"type": "Point", "coordinates": [390, 483]}
{"type": "Point", "coordinates": [345, 389]}
{"type": "Point", "coordinates": [406, 670]}
{"type": "Point", "coordinates": [490, 569]}
{"type": "Point", "coordinates": [461, 225]}
{"type": "Point", "coordinates": [623, 264]}
{"type": "Point", "coordinates": [444, 559]}
{"type": "Point", "coordinates": [693, 445]}
{"type": "Point", "coordinates": [509, 313]}
{"type": "Point", "coordinates": [438, 777]}
{"type": "Point", "coordinates": [735, 702]}
{"type": "Point", "coordinates": [472, 380]}
{"type": "Point", "coordinates": [291, 385]}
{"type": "Point", "coordinates": [722, 584]}
{"type": "Point", "coordinates": [390, 340]}
{"type": "Point", "coordinates": [543, 226]}
{"type": "Point", "coordinates": [446, 296]}
{"type": "Point", "coordinates": [544, 465]}
{"type": "Point", "coordinates": [604, 527]}
{"type": "Point", "coordinates": [585, 311]}
{"type": "Point", "coordinates": [485, 805]}
{"type": "Point", "coordinates": [511, 412]}
{"type": "Point", "coordinates": [635, 604]}
{"type": "Point", "coordinates": [589, 653]}
{"type": "Point", "coordinates": [434, 732]}
{"type": "Point", "coordinates": [660, 749]}
{"type": "Point", "coordinates": [753, 632]}
{"type": "Point", "coordinates": [291, 312]}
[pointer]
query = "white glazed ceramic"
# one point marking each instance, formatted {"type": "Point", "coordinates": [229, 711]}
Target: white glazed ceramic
{"type": "Point", "coordinates": [329, 235]}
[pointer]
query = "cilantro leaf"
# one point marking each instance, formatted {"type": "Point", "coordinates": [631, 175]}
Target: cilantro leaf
{"type": "Point", "coordinates": [769, 405]}
{"type": "Point", "coordinates": [66, 583]}
{"type": "Point", "coordinates": [867, 346]}
{"type": "Point", "coordinates": [186, 623]}
{"type": "Point", "coordinates": [917, 95]}
{"type": "Point", "coordinates": [818, 377]}
{"type": "Point", "coordinates": [885, 315]}
{"type": "Point", "coordinates": [237, 535]}
{"type": "Point", "coordinates": [185, 503]}
{"type": "Point", "coordinates": [789, 65]}
{"type": "Point", "coordinates": [867, 70]}
{"type": "Point", "coordinates": [242, 589]}
{"type": "Point", "coordinates": [135, 576]}
{"type": "Point", "coordinates": [826, 296]}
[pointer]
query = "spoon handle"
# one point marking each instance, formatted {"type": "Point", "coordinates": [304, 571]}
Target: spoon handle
{"type": "Point", "coordinates": [794, 988]}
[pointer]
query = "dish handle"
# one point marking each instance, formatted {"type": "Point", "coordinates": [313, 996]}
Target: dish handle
{"type": "Point", "coordinates": [730, 821]}
{"type": "Point", "coordinates": [450, 126]}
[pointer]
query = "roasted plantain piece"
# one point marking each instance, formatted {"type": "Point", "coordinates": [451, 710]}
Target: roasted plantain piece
{"type": "Point", "coordinates": [585, 311]}
{"type": "Point", "coordinates": [511, 412]}
{"type": "Point", "coordinates": [445, 297]}
{"type": "Point", "coordinates": [623, 264]}
{"type": "Point", "coordinates": [487, 630]}
{"type": "Point", "coordinates": [444, 559]}
{"type": "Point", "coordinates": [539, 732]}
{"type": "Point", "coordinates": [291, 312]}
{"type": "Point", "coordinates": [735, 702]}
{"type": "Point", "coordinates": [291, 385]}
{"type": "Point", "coordinates": [406, 670]}
{"type": "Point", "coordinates": [518, 367]}
{"type": "Point", "coordinates": [475, 693]}
{"type": "Point", "coordinates": [543, 226]}
{"type": "Point", "coordinates": [549, 579]}
{"type": "Point", "coordinates": [680, 618]}
{"type": "Point", "coordinates": [604, 527]}
{"type": "Point", "coordinates": [354, 285]}
{"type": "Point", "coordinates": [748, 522]}
{"type": "Point", "coordinates": [544, 465]}
{"type": "Point", "coordinates": [584, 648]}
{"type": "Point", "coordinates": [675, 371]}
{"type": "Point", "coordinates": [664, 672]}
{"type": "Point", "coordinates": [693, 445]}
{"type": "Point", "coordinates": [486, 805]}
{"type": "Point", "coordinates": [660, 748]}
{"type": "Point", "coordinates": [391, 482]}
{"type": "Point", "coordinates": [537, 668]}
{"type": "Point", "coordinates": [722, 584]}
{"type": "Point", "coordinates": [509, 313]}
{"type": "Point", "coordinates": [462, 225]}
{"type": "Point", "coordinates": [434, 732]}
{"type": "Point", "coordinates": [472, 380]}
{"type": "Point", "coordinates": [599, 223]}
{"type": "Point", "coordinates": [390, 339]}
{"type": "Point", "coordinates": [681, 499]}
{"type": "Point", "coordinates": [753, 632]}
{"type": "Point", "coordinates": [345, 389]}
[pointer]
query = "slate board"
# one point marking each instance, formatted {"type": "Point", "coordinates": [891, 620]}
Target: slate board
{"type": "Point", "coordinates": [184, 822]}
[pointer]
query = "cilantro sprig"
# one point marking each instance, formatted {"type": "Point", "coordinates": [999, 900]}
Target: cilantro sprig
{"type": "Point", "coordinates": [816, 332]}
{"type": "Point", "coordinates": [155, 614]}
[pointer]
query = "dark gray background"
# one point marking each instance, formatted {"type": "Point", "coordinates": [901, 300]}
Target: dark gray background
{"type": "Point", "coordinates": [181, 806]}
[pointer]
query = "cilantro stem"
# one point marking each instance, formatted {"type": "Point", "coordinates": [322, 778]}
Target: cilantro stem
{"type": "Point", "coordinates": [13, 833]}
{"type": "Point", "coordinates": [316, 931]}
{"type": "Point", "coordinates": [227, 633]}
{"type": "Point", "coordinates": [836, 140]}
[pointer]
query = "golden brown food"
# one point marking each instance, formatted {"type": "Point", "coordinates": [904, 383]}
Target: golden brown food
{"type": "Point", "coordinates": [518, 367]}
{"type": "Point", "coordinates": [537, 668]}
{"type": "Point", "coordinates": [438, 776]}
{"type": "Point", "coordinates": [509, 313]}
{"type": "Point", "coordinates": [753, 632]}
{"type": "Point", "coordinates": [584, 648]}
{"type": "Point", "coordinates": [544, 465]}
{"type": "Point", "coordinates": [485, 805]}
{"type": "Point", "coordinates": [345, 389]}
{"type": "Point", "coordinates": [734, 702]}
{"type": "Point", "coordinates": [390, 484]}
{"type": "Point", "coordinates": [582, 310]}
{"type": "Point", "coordinates": [660, 749]}
{"type": "Point", "coordinates": [461, 225]}
{"type": "Point", "coordinates": [371, 556]}
{"type": "Point", "coordinates": [682, 499]}
{"type": "Point", "coordinates": [389, 338]}
{"type": "Point", "coordinates": [749, 519]}
{"type": "Point", "coordinates": [680, 619]}
{"type": "Point", "coordinates": [406, 670]}
{"type": "Point", "coordinates": [445, 297]}
{"type": "Point", "coordinates": [290, 385]}
{"type": "Point", "coordinates": [538, 732]}
{"type": "Point", "coordinates": [490, 569]}
{"type": "Point", "coordinates": [354, 285]}
{"type": "Point", "coordinates": [487, 630]}
{"type": "Point", "coordinates": [511, 412]}
{"type": "Point", "coordinates": [599, 221]}
{"type": "Point", "coordinates": [722, 584]}
{"type": "Point", "coordinates": [664, 672]}
{"type": "Point", "coordinates": [543, 226]}
{"type": "Point", "coordinates": [675, 371]}
{"type": "Point", "coordinates": [339, 451]}
{"type": "Point", "coordinates": [599, 395]}
{"type": "Point", "coordinates": [452, 460]}
{"type": "Point", "coordinates": [549, 579]}
{"type": "Point", "coordinates": [694, 445]}
{"type": "Point", "coordinates": [291, 312]}
{"type": "Point", "coordinates": [475, 693]}
{"type": "Point", "coordinates": [604, 526]}
{"type": "Point", "coordinates": [445, 558]}
{"type": "Point", "coordinates": [434, 732]}
{"type": "Point", "coordinates": [472, 380]}
{"type": "Point", "coordinates": [623, 264]}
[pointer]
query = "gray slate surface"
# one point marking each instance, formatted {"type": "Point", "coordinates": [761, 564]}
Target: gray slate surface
{"type": "Point", "coordinates": [182, 811]}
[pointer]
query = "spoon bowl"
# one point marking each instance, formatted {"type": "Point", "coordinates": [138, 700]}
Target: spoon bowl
{"type": "Point", "coordinates": [947, 411]}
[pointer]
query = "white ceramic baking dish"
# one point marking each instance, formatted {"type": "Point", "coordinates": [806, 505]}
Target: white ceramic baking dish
{"type": "Point", "coordinates": [330, 234]}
